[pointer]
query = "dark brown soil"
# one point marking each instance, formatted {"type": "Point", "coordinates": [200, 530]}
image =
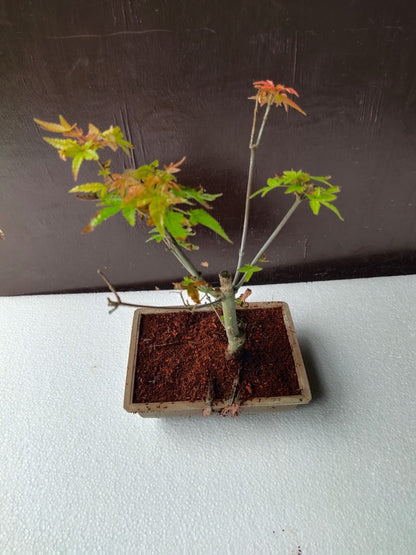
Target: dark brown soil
{"type": "Point", "coordinates": [180, 353]}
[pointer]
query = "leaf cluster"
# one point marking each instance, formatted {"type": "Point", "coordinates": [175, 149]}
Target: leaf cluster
{"type": "Point", "coordinates": [148, 192]}
{"type": "Point", "coordinates": [269, 93]}
{"type": "Point", "coordinates": [80, 146]}
{"type": "Point", "coordinates": [304, 187]}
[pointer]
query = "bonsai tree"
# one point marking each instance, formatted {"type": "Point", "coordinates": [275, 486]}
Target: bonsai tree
{"type": "Point", "coordinates": [172, 211]}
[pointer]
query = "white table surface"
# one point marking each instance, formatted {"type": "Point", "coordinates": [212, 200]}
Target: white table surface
{"type": "Point", "coordinates": [80, 475]}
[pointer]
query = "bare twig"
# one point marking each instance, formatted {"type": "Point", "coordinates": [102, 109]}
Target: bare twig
{"type": "Point", "coordinates": [217, 313]}
{"type": "Point", "coordinates": [118, 302]}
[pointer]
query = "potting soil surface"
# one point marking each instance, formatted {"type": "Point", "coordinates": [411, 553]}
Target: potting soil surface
{"type": "Point", "coordinates": [180, 354]}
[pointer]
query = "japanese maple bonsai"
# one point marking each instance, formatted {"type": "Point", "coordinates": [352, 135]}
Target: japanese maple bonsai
{"type": "Point", "coordinates": [172, 211]}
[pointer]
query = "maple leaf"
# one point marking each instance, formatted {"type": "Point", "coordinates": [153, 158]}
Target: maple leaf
{"type": "Point", "coordinates": [275, 94]}
{"type": "Point", "coordinates": [62, 127]}
{"type": "Point", "coordinates": [94, 134]}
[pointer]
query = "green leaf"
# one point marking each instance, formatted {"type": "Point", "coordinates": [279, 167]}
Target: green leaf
{"type": "Point", "coordinates": [261, 192]}
{"type": "Point", "coordinates": [315, 206]}
{"type": "Point", "coordinates": [115, 136]}
{"type": "Point", "coordinates": [157, 213]}
{"type": "Point", "coordinates": [201, 216]}
{"type": "Point", "coordinates": [334, 209]}
{"type": "Point", "coordinates": [295, 188]}
{"type": "Point", "coordinates": [323, 179]}
{"type": "Point", "coordinates": [111, 199]}
{"type": "Point", "coordinates": [249, 270]}
{"type": "Point", "coordinates": [143, 171]}
{"type": "Point", "coordinates": [273, 182]}
{"type": "Point", "coordinates": [199, 195]}
{"type": "Point", "coordinates": [89, 188]}
{"type": "Point", "coordinates": [155, 235]}
{"type": "Point", "coordinates": [90, 154]}
{"type": "Point", "coordinates": [130, 214]}
{"type": "Point", "coordinates": [174, 222]}
{"type": "Point", "coordinates": [101, 216]}
{"type": "Point", "coordinates": [76, 164]}
{"type": "Point", "coordinates": [60, 144]}
{"type": "Point", "coordinates": [290, 175]}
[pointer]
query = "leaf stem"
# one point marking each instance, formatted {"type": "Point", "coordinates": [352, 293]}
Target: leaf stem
{"type": "Point", "coordinates": [272, 237]}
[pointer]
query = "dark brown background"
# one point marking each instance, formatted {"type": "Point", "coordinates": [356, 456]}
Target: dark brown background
{"type": "Point", "coordinates": [175, 75]}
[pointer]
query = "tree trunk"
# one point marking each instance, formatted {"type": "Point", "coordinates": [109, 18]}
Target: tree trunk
{"type": "Point", "coordinates": [235, 335]}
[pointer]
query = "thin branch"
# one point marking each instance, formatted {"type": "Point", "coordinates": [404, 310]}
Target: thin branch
{"type": "Point", "coordinates": [253, 127]}
{"type": "Point", "coordinates": [118, 302]}
{"type": "Point", "coordinates": [263, 123]}
{"type": "Point", "coordinates": [272, 237]}
{"type": "Point", "coordinates": [174, 248]}
{"type": "Point", "coordinates": [252, 146]}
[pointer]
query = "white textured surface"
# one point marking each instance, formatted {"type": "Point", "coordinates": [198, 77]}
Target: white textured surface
{"type": "Point", "coordinates": [80, 475]}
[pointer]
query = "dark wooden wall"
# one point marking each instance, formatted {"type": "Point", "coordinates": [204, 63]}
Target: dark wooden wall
{"type": "Point", "coordinates": [175, 75]}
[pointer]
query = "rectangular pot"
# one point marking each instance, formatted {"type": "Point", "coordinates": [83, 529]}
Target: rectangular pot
{"type": "Point", "coordinates": [195, 408]}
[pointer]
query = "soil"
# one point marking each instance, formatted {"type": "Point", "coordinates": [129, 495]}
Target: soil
{"type": "Point", "coordinates": [180, 354]}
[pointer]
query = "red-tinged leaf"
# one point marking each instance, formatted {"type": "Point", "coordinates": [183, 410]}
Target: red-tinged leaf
{"type": "Point", "coordinates": [268, 92]}
{"type": "Point", "coordinates": [174, 168]}
{"type": "Point", "coordinates": [264, 85]}
{"type": "Point", "coordinates": [287, 101]}
{"type": "Point", "coordinates": [92, 131]}
{"type": "Point", "coordinates": [291, 91]}
{"type": "Point", "coordinates": [65, 124]}
{"type": "Point", "coordinates": [114, 138]}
